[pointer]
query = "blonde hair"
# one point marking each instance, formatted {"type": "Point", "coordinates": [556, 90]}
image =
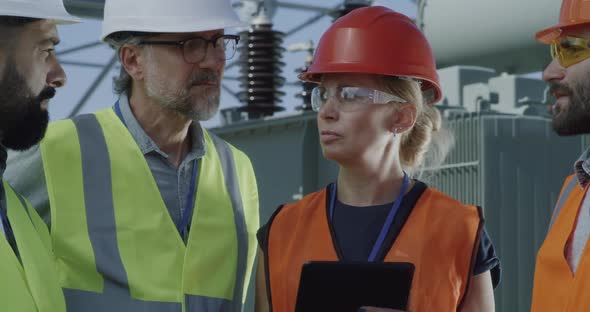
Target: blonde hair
{"type": "Point", "coordinates": [429, 142]}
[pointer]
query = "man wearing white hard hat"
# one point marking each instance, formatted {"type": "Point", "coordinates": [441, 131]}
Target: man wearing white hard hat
{"type": "Point", "coordinates": [147, 210]}
{"type": "Point", "coordinates": [29, 75]}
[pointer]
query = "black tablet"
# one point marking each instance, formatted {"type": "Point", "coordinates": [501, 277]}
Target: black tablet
{"type": "Point", "coordinates": [345, 287]}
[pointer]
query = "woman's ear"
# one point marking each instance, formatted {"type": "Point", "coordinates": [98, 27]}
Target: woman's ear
{"type": "Point", "coordinates": [403, 118]}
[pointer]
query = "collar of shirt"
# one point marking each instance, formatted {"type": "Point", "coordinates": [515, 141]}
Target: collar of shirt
{"type": "Point", "coordinates": [147, 145]}
{"type": "Point", "coordinates": [582, 168]}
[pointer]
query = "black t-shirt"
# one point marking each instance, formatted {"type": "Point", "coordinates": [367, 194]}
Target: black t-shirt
{"type": "Point", "coordinates": [356, 231]}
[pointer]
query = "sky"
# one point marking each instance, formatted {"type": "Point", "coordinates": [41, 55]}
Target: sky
{"type": "Point", "coordinates": [80, 78]}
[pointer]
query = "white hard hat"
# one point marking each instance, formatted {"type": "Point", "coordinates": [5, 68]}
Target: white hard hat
{"type": "Point", "coordinates": [43, 9]}
{"type": "Point", "coordinates": [168, 16]}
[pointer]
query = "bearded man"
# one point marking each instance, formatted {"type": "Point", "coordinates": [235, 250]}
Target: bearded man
{"type": "Point", "coordinates": [562, 270]}
{"type": "Point", "coordinates": [30, 73]}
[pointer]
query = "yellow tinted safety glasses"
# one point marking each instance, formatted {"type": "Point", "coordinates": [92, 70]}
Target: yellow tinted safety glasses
{"type": "Point", "coordinates": [570, 50]}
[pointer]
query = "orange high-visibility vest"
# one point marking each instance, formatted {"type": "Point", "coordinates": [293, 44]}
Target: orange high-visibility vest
{"type": "Point", "coordinates": [440, 237]}
{"type": "Point", "coordinates": [556, 288]}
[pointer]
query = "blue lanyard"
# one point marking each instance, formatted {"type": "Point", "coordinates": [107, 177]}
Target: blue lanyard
{"type": "Point", "coordinates": [388, 221]}
{"type": "Point", "coordinates": [117, 110]}
{"type": "Point", "coordinates": [3, 217]}
{"type": "Point", "coordinates": [3, 213]}
{"type": "Point", "coordinates": [188, 207]}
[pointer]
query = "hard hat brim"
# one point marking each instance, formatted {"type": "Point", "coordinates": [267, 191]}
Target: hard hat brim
{"type": "Point", "coordinates": [178, 25]}
{"type": "Point", "coordinates": [548, 35]}
{"type": "Point", "coordinates": [46, 12]}
{"type": "Point", "coordinates": [60, 20]}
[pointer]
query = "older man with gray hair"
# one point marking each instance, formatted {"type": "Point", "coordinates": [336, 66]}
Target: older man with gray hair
{"type": "Point", "coordinates": [148, 210]}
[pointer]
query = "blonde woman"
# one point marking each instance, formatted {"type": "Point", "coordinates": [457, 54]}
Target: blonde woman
{"type": "Point", "coordinates": [377, 82]}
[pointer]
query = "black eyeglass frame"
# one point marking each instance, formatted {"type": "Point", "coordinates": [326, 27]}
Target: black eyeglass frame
{"type": "Point", "coordinates": [181, 44]}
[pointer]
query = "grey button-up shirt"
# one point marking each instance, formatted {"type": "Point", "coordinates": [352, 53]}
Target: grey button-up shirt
{"type": "Point", "coordinates": [582, 168]}
{"type": "Point", "coordinates": [577, 242]}
{"type": "Point", "coordinates": [25, 169]}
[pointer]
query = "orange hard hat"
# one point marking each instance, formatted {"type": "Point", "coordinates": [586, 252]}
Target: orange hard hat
{"type": "Point", "coordinates": [573, 13]}
{"type": "Point", "coordinates": [376, 40]}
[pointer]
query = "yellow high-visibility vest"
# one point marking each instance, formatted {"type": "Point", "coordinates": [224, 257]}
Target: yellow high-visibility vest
{"type": "Point", "coordinates": [116, 245]}
{"type": "Point", "coordinates": [29, 285]}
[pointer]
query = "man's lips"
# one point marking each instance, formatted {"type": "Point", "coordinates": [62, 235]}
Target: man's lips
{"type": "Point", "coordinates": [561, 93]}
{"type": "Point", "coordinates": [558, 95]}
{"type": "Point", "coordinates": [557, 106]}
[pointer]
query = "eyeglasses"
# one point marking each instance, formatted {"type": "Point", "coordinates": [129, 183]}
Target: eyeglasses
{"type": "Point", "coordinates": [195, 49]}
{"type": "Point", "coordinates": [570, 50]}
{"type": "Point", "coordinates": [351, 98]}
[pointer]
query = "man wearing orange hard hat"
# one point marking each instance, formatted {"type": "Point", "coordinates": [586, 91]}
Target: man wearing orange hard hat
{"type": "Point", "coordinates": [562, 274]}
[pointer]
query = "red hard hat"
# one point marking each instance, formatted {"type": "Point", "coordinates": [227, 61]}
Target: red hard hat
{"type": "Point", "coordinates": [376, 40]}
{"type": "Point", "coordinates": [573, 13]}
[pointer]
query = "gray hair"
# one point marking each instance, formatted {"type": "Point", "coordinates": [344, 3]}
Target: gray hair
{"type": "Point", "coordinates": [122, 83]}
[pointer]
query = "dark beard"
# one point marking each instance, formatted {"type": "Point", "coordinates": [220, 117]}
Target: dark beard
{"type": "Point", "coordinates": [22, 120]}
{"type": "Point", "coordinates": [575, 118]}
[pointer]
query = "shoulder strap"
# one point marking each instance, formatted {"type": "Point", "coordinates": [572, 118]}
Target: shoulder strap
{"type": "Point", "coordinates": [562, 198]}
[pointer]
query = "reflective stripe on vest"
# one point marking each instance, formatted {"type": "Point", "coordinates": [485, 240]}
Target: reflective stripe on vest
{"type": "Point", "coordinates": [556, 287]}
{"type": "Point", "coordinates": [438, 225]}
{"type": "Point", "coordinates": [33, 285]}
{"type": "Point", "coordinates": [565, 193]}
{"type": "Point", "coordinates": [116, 244]}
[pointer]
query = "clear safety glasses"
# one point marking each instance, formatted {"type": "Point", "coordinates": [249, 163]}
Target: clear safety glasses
{"type": "Point", "coordinates": [570, 50]}
{"type": "Point", "coordinates": [351, 98]}
{"type": "Point", "coordinates": [195, 49]}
